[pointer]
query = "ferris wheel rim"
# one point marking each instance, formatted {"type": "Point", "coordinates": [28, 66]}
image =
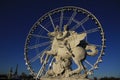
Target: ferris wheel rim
{"type": "Point", "coordinates": [62, 8]}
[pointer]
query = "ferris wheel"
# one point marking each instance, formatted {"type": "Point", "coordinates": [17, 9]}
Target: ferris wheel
{"type": "Point", "coordinates": [77, 19]}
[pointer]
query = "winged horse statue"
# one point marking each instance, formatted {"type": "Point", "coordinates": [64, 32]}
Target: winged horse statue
{"type": "Point", "coordinates": [66, 46]}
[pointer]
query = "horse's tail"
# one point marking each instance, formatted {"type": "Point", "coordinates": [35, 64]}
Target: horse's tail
{"type": "Point", "coordinates": [91, 50]}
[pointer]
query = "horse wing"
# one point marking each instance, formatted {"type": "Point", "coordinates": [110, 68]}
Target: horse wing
{"type": "Point", "coordinates": [75, 39]}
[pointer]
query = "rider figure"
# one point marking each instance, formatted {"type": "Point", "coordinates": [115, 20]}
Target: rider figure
{"type": "Point", "coordinates": [65, 33]}
{"type": "Point", "coordinates": [62, 39]}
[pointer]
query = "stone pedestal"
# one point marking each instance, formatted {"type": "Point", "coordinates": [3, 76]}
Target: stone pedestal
{"type": "Point", "coordinates": [70, 78]}
{"type": "Point", "coordinates": [73, 77]}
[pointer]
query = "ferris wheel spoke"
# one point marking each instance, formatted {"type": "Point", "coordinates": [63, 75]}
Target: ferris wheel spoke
{"type": "Point", "coordinates": [91, 30]}
{"type": "Point", "coordinates": [100, 46]}
{"type": "Point", "coordinates": [61, 20]}
{"type": "Point", "coordinates": [44, 28]}
{"type": "Point", "coordinates": [39, 55]}
{"type": "Point", "coordinates": [51, 63]}
{"type": "Point", "coordinates": [43, 54]}
{"type": "Point", "coordinates": [89, 63]}
{"type": "Point", "coordinates": [39, 36]}
{"type": "Point", "coordinates": [79, 23]}
{"type": "Point", "coordinates": [71, 18]}
{"type": "Point", "coordinates": [34, 58]}
{"type": "Point", "coordinates": [83, 28]}
{"type": "Point", "coordinates": [43, 66]}
{"type": "Point", "coordinates": [39, 45]}
{"type": "Point", "coordinates": [74, 20]}
{"type": "Point", "coordinates": [97, 45]}
{"type": "Point", "coordinates": [40, 71]}
{"type": "Point", "coordinates": [51, 21]}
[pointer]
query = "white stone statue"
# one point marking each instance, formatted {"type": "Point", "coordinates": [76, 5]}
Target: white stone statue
{"type": "Point", "coordinates": [65, 54]}
{"type": "Point", "coordinates": [65, 47]}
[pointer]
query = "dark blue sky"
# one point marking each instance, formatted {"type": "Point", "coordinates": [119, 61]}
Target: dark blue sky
{"type": "Point", "coordinates": [18, 16]}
